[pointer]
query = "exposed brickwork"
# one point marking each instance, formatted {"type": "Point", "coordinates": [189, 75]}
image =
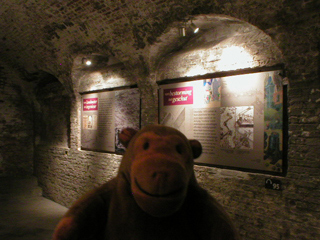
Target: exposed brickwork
{"type": "Point", "coordinates": [16, 124]}
{"type": "Point", "coordinates": [65, 174]}
{"type": "Point", "coordinates": [143, 36]}
{"type": "Point", "coordinates": [202, 54]}
{"type": "Point", "coordinates": [52, 123]}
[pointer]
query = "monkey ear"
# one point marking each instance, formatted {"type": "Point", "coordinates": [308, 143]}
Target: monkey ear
{"type": "Point", "coordinates": [126, 135]}
{"type": "Point", "coordinates": [196, 148]}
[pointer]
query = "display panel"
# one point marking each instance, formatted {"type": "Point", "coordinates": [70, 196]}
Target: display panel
{"type": "Point", "coordinates": [104, 114]}
{"type": "Point", "coordinates": [238, 119]}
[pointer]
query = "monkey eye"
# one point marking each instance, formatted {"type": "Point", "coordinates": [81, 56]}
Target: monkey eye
{"type": "Point", "coordinates": [145, 145]}
{"type": "Point", "coordinates": [179, 149]}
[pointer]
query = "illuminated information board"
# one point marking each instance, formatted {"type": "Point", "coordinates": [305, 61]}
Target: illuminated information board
{"type": "Point", "coordinates": [105, 114]}
{"type": "Point", "coordinates": [238, 119]}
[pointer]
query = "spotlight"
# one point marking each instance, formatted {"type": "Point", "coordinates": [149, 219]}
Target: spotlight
{"type": "Point", "coordinates": [182, 31]}
{"type": "Point", "coordinates": [194, 28]}
{"type": "Point", "coordinates": [86, 61]}
{"type": "Point", "coordinates": [186, 27]}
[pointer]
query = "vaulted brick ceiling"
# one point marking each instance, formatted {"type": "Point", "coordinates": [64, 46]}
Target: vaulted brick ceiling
{"type": "Point", "coordinates": [46, 35]}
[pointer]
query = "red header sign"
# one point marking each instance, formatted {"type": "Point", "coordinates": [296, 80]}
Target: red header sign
{"type": "Point", "coordinates": [178, 96]}
{"type": "Point", "coordinates": [90, 104]}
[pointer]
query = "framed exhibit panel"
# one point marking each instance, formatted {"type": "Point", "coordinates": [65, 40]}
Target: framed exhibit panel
{"type": "Point", "coordinates": [103, 116]}
{"type": "Point", "coordinates": [238, 119]}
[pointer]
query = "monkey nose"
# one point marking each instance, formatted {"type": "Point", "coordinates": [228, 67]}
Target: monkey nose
{"type": "Point", "coordinates": [160, 175]}
{"type": "Point", "coordinates": [160, 180]}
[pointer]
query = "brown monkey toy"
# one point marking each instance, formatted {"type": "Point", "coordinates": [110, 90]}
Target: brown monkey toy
{"type": "Point", "coordinates": [155, 195]}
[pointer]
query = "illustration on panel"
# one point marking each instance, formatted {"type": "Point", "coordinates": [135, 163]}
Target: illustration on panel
{"type": "Point", "coordinates": [273, 122]}
{"type": "Point", "coordinates": [212, 90]}
{"type": "Point", "coordinates": [236, 126]}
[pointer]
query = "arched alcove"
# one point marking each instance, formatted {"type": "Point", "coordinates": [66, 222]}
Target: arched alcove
{"type": "Point", "coordinates": [104, 72]}
{"type": "Point", "coordinates": [215, 48]}
{"type": "Point", "coordinates": [224, 46]}
{"type": "Point", "coordinates": [52, 106]}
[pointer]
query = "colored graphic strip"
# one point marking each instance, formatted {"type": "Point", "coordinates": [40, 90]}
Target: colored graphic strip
{"type": "Point", "coordinates": [178, 96]}
{"type": "Point", "coordinates": [90, 104]}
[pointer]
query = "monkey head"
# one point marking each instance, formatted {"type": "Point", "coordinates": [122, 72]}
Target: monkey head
{"type": "Point", "coordinates": [158, 164]}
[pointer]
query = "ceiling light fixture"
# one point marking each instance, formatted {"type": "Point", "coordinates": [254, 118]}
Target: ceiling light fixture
{"type": "Point", "coordinates": [86, 61]}
{"type": "Point", "coordinates": [182, 31]}
{"type": "Point", "coordinates": [195, 29]}
{"type": "Point", "coordinates": [186, 27]}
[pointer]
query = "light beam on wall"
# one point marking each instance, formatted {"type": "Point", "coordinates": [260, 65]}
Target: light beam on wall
{"type": "Point", "coordinates": [195, 71]}
{"type": "Point", "coordinates": [234, 57]}
{"type": "Point", "coordinates": [241, 83]}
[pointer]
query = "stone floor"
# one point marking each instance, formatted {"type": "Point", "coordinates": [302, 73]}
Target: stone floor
{"type": "Point", "coordinates": [28, 217]}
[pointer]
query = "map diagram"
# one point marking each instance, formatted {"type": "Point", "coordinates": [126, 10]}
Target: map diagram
{"type": "Point", "coordinates": [236, 124]}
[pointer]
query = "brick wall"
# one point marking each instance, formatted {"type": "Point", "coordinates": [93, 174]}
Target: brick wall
{"type": "Point", "coordinates": [16, 124]}
{"type": "Point", "coordinates": [52, 113]}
